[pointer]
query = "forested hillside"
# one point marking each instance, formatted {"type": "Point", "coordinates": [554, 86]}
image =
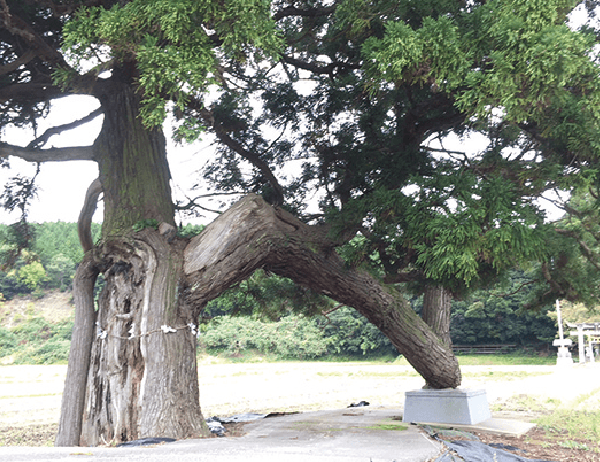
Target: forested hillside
{"type": "Point", "coordinates": [37, 257]}
{"type": "Point", "coordinates": [49, 262]}
{"type": "Point", "coordinates": [266, 313]}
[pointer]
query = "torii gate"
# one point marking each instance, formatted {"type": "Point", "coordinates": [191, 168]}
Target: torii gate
{"type": "Point", "coordinates": [592, 331]}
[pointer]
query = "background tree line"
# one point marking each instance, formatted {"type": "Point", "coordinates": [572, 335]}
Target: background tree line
{"type": "Point", "coordinates": [265, 313]}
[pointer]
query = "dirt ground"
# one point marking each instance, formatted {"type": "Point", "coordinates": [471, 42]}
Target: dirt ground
{"type": "Point", "coordinates": [30, 397]}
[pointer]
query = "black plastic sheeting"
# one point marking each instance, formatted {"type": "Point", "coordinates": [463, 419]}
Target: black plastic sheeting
{"type": "Point", "coordinates": [215, 424]}
{"type": "Point", "coordinates": [473, 450]}
{"type": "Point", "coordinates": [145, 442]}
{"type": "Point", "coordinates": [359, 404]}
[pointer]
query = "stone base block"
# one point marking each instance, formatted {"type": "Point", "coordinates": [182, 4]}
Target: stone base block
{"type": "Point", "coordinates": [447, 406]}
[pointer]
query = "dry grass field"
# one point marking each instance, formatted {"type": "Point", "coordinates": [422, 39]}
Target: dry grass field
{"type": "Point", "coordinates": [30, 395]}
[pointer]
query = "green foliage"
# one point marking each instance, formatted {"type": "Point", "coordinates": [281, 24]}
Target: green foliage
{"type": "Point", "coordinates": [32, 274]}
{"type": "Point", "coordinates": [292, 337]}
{"type": "Point", "coordinates": [573, 268]}
{"type": "Point", "coordinates": [342, 333]}
{"type": "Point", "coordinates": [60, 238]}
{"type": "Point", "coordinates": [188, 231]}
{"type": "Point", "coordinates": [143, 224]}
{"type": "Point", "coordinates": [577, 312]}
{"type": "Point", "coordinates": [35, 341]}
{"type": "Point", "coordinates": [47, 259]}
{"type": "Point", "coordinates": [348, 333]}
{"type": "Point", "coordinates": [268, 296]}
{"type": "Point", "coordinates": [499, 317]}
{"type": "Point", "coordinates": [173, 45]}
{"type": "Point", "coordinates": [526, 60]}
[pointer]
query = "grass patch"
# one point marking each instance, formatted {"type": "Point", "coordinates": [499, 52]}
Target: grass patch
{"type": "Point", "coordinates": [571, 423]}
{"type": "Point", "coordinates": [526, 403]}
{"type": "Point", "coordinates": [506, 360]}
{"type": "Point", "coordinates": [504, 375]}
{"type": "Point", "coordinates": [388, 427]}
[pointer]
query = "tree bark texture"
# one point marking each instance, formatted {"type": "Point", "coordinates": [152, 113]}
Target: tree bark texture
{"type": "Point", "coordinates": [79, 355]}
{"type": "Point", "coordinates": [143, 379]}
{"type": "Point", "coordinates": [84, 222]}
{"type": "Point", "coordinates": [252, 235]}
{"type": "Point", "coordinates": [133, 166]}
{"type": "Point", "coordinates": [436, 311]}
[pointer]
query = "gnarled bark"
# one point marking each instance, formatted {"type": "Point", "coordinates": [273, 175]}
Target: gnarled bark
{"type": "Point", "coordinates": [84, 223]}
{"type": "Point", "coordinates": [252, 235]}
{"type": "Point", "coordinates": [436, 311]}
{"type": "Point", "coordinates": [143, 379]}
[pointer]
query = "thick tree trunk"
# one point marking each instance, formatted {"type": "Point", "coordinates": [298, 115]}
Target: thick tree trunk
{"type": "Point", "coordinates": [133, 166]}
{"type": "Point", "coordinates": [252, 235]}
{"type": "Point", "coordinates": [142, 379]}
{"type": "Point", "coordinates": [436, 311]}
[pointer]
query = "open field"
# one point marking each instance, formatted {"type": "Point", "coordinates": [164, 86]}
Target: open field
{"type": "Point", "coordinates": [31, 395]}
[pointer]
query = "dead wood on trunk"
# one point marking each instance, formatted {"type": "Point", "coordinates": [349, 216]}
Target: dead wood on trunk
{"type": "Point", "coordinates": [79, 355]}
{"type": "Point", "coordinates": [143, 378]}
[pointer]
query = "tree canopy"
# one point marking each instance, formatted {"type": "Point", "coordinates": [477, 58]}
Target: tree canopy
{"type": "Point", "coordinates": [347, 102]}
{"type": "Point", "coordinates": [358, 97]}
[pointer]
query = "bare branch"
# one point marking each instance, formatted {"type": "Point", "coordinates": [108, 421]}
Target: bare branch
{"type": "Point", "coordinates": [47, 155]}
{"type": "Point", "coordinates": [41, 140]}
{"type": "Point", "coordinates": [516, 291]}
{"type": "Point", "coordinates": [8, 68]}
{"type": "Point", "coordinates": [317, 68]}
{"type": "Point", "coordinates": [251, 157]}
{"type": "Point", "coordinates": [585, 249]}
{"type": "Point", "coordinates": [19, 28]}
{"type": "Point", "coordinates": [30, 92]}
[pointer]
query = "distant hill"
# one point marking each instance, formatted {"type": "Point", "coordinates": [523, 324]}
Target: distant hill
{"type": "Point", "coordinates": [55, 307]}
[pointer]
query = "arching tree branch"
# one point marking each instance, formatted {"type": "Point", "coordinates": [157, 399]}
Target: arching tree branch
{"type": "Point", "coordinates": [252, 235]}
{"type": "Point", "coordinates": [321, 69]}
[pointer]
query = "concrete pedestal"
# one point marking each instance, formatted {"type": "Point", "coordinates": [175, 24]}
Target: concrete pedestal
{"type": "Point", "coordinates": [564, 358]}
{"type": "Point", "coordinates": [447, 406]}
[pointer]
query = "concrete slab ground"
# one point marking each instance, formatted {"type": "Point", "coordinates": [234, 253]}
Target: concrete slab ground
{"type": "Point", "coordinates": [355, 434]}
